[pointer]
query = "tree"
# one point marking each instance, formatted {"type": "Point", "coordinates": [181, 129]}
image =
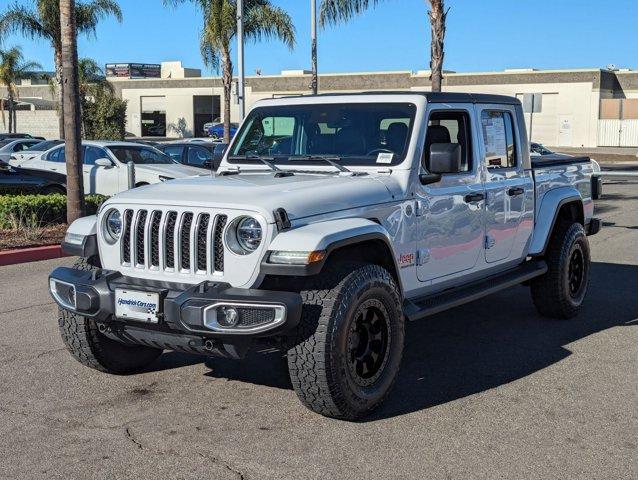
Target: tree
{"type": "Point", "coordinates": [261, 20]}
{"type": "Point", "coordinates": [71, 109]}
{"type": "Point", "coordinates": [103, 116]}
{"type": "Point", "coordinates": [44, 22]}
{"type": "Point", "coordinates": [13, 68]}
{"type": "Point", "coordinates": [337, 11]}
{"type": "Point", "coordinates": [92, 84]}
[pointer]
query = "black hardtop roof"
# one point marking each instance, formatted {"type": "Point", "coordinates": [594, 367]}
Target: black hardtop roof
{"type": "Point", "coordinates": [436, 97]}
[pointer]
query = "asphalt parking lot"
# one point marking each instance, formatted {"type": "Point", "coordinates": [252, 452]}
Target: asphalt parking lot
{"type": "Point", "coordinates": [489, 390]}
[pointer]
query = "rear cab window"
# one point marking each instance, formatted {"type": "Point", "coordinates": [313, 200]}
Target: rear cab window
{"type": "Point", "coordinates": [497, 127]}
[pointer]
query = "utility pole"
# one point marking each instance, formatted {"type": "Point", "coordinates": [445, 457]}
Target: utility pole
{"type": "Point", "coordinates": [240, 59]}
{"type": "Point", "coordinates": [313, 30]}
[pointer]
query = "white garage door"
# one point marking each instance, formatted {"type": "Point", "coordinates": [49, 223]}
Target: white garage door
{"type": "Point", "coordinates": [153, 104]}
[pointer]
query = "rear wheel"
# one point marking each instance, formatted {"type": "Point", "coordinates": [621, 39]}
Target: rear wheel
{"type": "Point", "coordinates": [91, 348]}
{"type": "Point", "coordinates": [561, 291]}
{"type": "Point", "coordinates": [350, 341]}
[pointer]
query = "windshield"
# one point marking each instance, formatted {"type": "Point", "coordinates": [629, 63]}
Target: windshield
{"type": "Point", "coordinates": [44, 146]}
{"type": "Point", "coordinates": [349, 134]}
{"type": "Point", "coordinates": [140, 155]}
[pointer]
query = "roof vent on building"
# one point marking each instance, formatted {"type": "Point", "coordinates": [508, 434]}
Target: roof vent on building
{"type": "Point", "coordinates": [295, 73]}
{"type": "Point", "coordinates": [520, 70]}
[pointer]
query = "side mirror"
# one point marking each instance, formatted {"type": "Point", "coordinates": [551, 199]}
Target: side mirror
{"type": "Point", "coordinates": [103, 162]}
{"type": "Point", "coordinates": [445, 158]}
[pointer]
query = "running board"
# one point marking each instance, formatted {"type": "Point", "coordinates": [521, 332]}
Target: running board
{"type": "Point", "coordinates": [418, 308]}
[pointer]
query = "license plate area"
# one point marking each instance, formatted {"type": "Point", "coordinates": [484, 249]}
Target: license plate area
{"type": "Point", "coordinates": [137, 305]}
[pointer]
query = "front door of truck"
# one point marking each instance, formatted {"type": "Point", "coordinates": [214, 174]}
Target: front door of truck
{"type": "Point", "coordinates": [508, 187]}
{"type": "Point", "coordinates": [450, 211]}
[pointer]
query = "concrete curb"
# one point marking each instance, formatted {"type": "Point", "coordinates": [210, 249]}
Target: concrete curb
{"type": "Point", "coordinates": [35, 254]}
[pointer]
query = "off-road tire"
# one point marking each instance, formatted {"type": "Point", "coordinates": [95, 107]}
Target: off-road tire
{"type": "Point", "coordinates": [91, 348]}
{"type": "Point", "coordinates": [551, 292]}
{"type": "Point", "coordinates": [318, 361]}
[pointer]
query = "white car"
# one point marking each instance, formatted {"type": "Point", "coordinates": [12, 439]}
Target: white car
{"type": "Point", "coordinates": [11, 146]}
{"type": "Point", "coordinates": [18, 158]}
{"type": "Point", "coordinates": [105, 165]}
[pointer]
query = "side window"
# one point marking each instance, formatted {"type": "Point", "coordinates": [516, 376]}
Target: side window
{"type": "Point", "coordinates": [450, 127]}
{"type": "Point", "coordinates": [175, 152]}
{"type": "Point", "coordinates": [57, 156]}
{"type": "Point", "coordinates": [198, 156]}
{"type": "Point", "coordinates": [498, 138]}
{"type": "Point", "coordinates": [91, 154]}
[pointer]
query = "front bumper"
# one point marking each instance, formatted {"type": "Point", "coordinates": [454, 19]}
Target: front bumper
{"type": "Point", "coordinates": [184, 316]}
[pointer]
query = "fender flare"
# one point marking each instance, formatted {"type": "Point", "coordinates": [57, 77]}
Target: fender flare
{"type": "Point", "coordinates": [547, 215]}
{"type": "Point", "coordinates": [81, 237]}
{"type": "Point", "coordinates": [325, 236]}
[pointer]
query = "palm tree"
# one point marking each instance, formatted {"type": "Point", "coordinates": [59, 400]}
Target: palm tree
{"type": "Point", "coordinates": [13, 68]}
{"type": "Point", "coordinates": [261, 20]}
{"type": "Point", "coordinates": [71, 103]}
{"type": "Point", "coordinates": [336, 11]}
{"type": "Point", "coordinates": [44, 22]}
{"type": "Point", "coordinates": [91, 79]}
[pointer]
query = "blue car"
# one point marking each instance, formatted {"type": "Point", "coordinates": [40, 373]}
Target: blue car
{"type": "Point", "coordinates": [217, 131]}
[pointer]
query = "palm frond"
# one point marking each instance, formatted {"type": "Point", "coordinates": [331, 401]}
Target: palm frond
{"type": "Point", "coordinates": [333, 12]}
{"type": "Point", "coordinates": [19, 19]}
{"type": "Point", "coordinates": [264, 20]}
{"type": "Point", "coordinates": [88, 15]}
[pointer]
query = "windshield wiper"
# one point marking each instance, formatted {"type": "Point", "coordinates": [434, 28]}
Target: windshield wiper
{"type": "Point", "coordinates": [266, 161]}
{"type": "Point", "coordinates": [329, 160]}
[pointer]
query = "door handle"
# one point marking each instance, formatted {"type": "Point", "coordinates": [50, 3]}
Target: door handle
{"type": "Point", "coordinates": [474, 197]}
{"type": "Point", "coordinates": [514, 191]}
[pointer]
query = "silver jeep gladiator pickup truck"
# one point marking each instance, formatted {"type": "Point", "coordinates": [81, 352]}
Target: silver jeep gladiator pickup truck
{"type": "Point", "coordinates": [332, 220]}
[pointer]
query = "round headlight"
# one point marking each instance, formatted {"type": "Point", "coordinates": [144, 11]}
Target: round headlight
{"type": "Point", "coordinates": [249, 233]}
{"type": "Point", "coordinates": [113, 225]}
{"type": "Point", "coordinates": [244, 235]}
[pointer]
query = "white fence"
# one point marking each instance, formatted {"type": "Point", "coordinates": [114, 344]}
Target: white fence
{"type": "Point", "coordinates": [618, 133]}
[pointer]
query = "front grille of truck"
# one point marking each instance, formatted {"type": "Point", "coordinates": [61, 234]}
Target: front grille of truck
{"type": "Point", "coordinates": [171, 241]}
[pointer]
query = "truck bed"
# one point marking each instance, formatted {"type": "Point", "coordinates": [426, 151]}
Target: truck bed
{"type": "Point", "coordinates": [557, 159]}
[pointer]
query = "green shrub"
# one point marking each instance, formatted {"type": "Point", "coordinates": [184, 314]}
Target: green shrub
{"type": "Point", "coordinates": [104, 117]}
{"type": "Point", "coordinates": [28, 211]}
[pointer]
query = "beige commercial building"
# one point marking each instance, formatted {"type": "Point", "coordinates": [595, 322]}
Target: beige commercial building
{"type": "Point", "coordinates": [574, 108]}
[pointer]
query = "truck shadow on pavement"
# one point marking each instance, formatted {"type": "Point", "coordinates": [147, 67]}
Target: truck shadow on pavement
{"type": "Point", "coordinates": [476, 347]}
{"type": "Point", "coordinates": [501, 338]}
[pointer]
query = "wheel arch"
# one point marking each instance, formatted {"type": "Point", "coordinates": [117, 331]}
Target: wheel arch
{"type": "Point", "coordinates": [556, 206]}
{"type": "Point", "coordinates": [352, 239]}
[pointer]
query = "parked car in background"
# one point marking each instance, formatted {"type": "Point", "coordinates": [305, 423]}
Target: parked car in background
{"type": "Point", "coordinates": [15, 180]}
{"type": "Point", "coordinates": [5, 136]}
{"type": "Point", "coordinates": [217, 131]}
{"type": "Point", "coordinates": [105, 165]}
{"type": "Point", "coordinates": [193, 154]}
{"type": "Point", "coordinates": [209, 125]}
{"type": "Point", "coordinates": [41, 146]}
{"type": "Point", "coordinates": [11, 146]}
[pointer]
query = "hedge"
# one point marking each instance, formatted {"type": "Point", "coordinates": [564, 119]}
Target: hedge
{"type": "Point", "coordinates": [19, 211]}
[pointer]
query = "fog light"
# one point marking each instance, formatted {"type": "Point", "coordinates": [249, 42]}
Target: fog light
{"type": "Point", "coordinates": [227, 316]}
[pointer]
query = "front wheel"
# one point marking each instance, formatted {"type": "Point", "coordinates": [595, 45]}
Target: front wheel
{"type": "Point", "coordinates": [91, 348]}
{"type": "Point", "coordinates": [350, 341]}
{"type": "Point", "coordinates": [561, 291]}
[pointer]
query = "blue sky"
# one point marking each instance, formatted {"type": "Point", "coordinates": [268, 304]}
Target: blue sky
{"type": "Point", "coordinates": [483, 35]}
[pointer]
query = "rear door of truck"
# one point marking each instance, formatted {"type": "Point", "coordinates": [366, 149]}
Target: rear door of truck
{"type": "Point", "coordinates": [509, 187]}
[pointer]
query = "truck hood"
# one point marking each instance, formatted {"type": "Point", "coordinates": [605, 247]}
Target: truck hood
{"type": "Point", "coordinates": [302, 195]}
{"type": "Point", "coordinates": [173, 171]}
